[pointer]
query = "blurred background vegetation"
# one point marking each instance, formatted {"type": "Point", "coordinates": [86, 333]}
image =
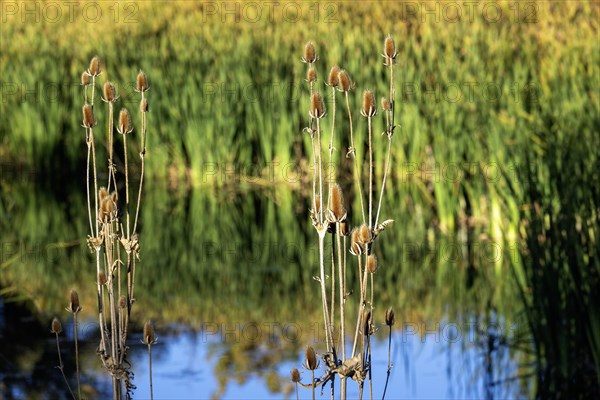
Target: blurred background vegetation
{"type": "Point", "coordinates": [496, 156]}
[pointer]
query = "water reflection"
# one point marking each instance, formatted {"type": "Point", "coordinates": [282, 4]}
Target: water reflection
{"type": "Point", "coordinates": [213, 262]}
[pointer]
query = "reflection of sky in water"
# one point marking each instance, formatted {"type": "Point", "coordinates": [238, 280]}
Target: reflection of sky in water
{"type": "Point", "coordinates": [425, 368]}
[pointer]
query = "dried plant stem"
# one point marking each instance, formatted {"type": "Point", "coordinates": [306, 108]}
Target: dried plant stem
{"type": "Point", "coordinates": [128, 233]}
{"type": "Point", "coordinates": [370, 123]}
{"type": "Point", "coordinates": [329, 169]}
{"type": "Point", "coordinates": [312, 377]}
{"type": "Point", "coordinates": [61, 366]}
{"type": "Point", "coordinates": [353, 153]}
{"type": "Point", "coordinates": [389, 368]}
{"type": "Point", "coordinates": [76, 353]}
{"type": "Point", "coordinates": [342, 287]}
{"type": "Point", "coordinates": [150, 368]}
{"type": "Point", "coordinates": [321, 220]}
{"type": "Point", "coordinates": [111, 169]}
{"type": "Point", "coordinates": [363, 289]}
{"type": "Point", "coordinates": [88, 140]}
{"type": "Point", "coordinates": [390, 132]}
{"type": "Point", "coordinates": [385, 174]}
{"type": "Point", "coordinates": [142, 156]}
{"type": "Point", "coordinates": [328, 335]}
{"type": "Point", "coordinates": [332, 312]}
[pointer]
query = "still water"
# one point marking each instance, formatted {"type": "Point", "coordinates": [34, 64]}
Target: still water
{"type": "Point", "coordinates": [227, 278]}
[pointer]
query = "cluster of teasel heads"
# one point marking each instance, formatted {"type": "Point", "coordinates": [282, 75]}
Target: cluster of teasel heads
{"type": "Point", "coordinates": [113, 224]}
{"type": "Point", "coordinates": [331, 216]}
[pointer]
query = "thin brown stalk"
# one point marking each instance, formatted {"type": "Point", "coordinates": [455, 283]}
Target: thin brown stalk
{"type": "Point", "coordinates": [353, 153]}
{"type": "Point", "coordinates": [76, 353]}
{"type": "Point", "coordinates": [370, 172]}
{"type": "Point", "coordinates": [342, 288]}
{"type": "Point", "coordinates": [142, 157]}
{"type": "Point", "coordinates": [61, 367]}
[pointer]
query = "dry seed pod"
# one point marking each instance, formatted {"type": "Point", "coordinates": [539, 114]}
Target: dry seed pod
{"type": "Point", "coordinates": [310, 54]}
{"type": "Point", "coordinates": [344, 228]}
{"type": "Point", "coordinates": [149, 337]}
{"type": "Point", "coordinates": [389, 316]}
{"type": "Point", "coordinates": [295, 375]}
{"type": "Point", "coordinates": [355, 245]}
{"type": "Point", "coordinates": [385, 104]}
{"type": "Point", "coordinates": [88, 116]}
{"type": "Point", "coordinates": [364, 234]}
{"type": "Point", "coordinates": [74, 302]}
{"type": "Point", "coordinates": [389, 48]}
{"type": "Point", "coordinates": [144, 105]}
{"type": "Point", "coordinates": [333, 79]}
{"type": "Point", "coordinates": [336, 202]}
{"type": "Point", "coordinates": [311, 359]}
{"type": "Point", "coordinates": [102, 278]}
{"type": "Point", "coordinates": [368, 106]}
{"type": "Point", "coordinates": [110, 93]}
{"type": "Point", "coordinates": [102, 193]}
{"type": "Point", "coordinates": [141, 82]}
{"type": "Point", "coordinates": [311, 75]}
{"type": "Point", "coordinates": [85, 79]}
{"type": "Point", "coordinates": [372, 263]}
{"type": "Point", "coordinates": [56, 326]}
{"type": "Point", "coordinates": [345, 84]}
{"type": "Point", "coordinates": [94, 69]}
{"type": "Point", "coordinates": [125, 125]}
{"type": "Point", "coordinates": [366, 322]}
{"type": "Point", "coordinates": [317, 107]}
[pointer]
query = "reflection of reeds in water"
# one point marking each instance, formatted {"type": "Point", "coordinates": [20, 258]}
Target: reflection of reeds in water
{"type": "Point", "coordinates": [334, 220]}
{"type": "Point", "coordinates": [113, 241]}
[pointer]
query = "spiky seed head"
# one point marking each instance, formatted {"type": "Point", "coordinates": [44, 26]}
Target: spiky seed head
{"type": "Point", "coordinates": [336, 202]}
{"type": "Point", "coordinates": [389, 48]}
{"type": "Point", "coordinates": [102, 193]}
{"type": "Point", "coordinates": [333, 78]}
{"type": "Point", "coordinates": [74, 302]}
{"type": "Point", "coordinates": [311, 358]}
{"type": "Point", "coordinates": [144, 105]}
{"type": "Point", "coordinates": [369, 108]}
{"type": "Point", "coordinates": [364, 234]}
{"type": "Point", "coordinates": [344, 228]}
{"type": "Point", "coordinates": [355, 245]}
{"type": "Point", "coordinates": [122, 302]}
{"type": "Point", "coordinates": [389, 316]}
{"type": "Point", "coordinates": [372, 263]}
{"type": "Point", "coordinates": [108, 207]}
{"type": "Point", "coordinates": [56, 326]}
{"type": "Point", "coordinates": [385, 104]}
{"type": "Point", "coordinates": [317, 107]}
{"type": "Point", "coordinates": [101, 278]}
{"type": "Point", "coordinates": [141, 82]}
{"type": "Point", "coordinates": [125, 125]}
{"type": "Point", "coordinates": [94, 69]}
{"type": "Point", "coordinates": [149, 337]}
{"type": "Point", "coordinates": [311, 75]}
{"type": "Point", "coordinates": [85, 79]}
{"type": "Point", "coordinates": [366, 322]}
{"type": "Point", "coordinates": [110, 93]}
{"type": "Point", "coordinates": [317, 204]}
{"type": "Point", "coordinates": [310, 54]}
{"type": "Point", "coordinates": [295, 375]}
{"type": "Point", "coordinates": [89, 121]}
{"type": "Point", "coordinates": [345, 84]}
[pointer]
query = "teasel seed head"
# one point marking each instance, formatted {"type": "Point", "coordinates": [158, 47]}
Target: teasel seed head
{"type": "Point", "coordinates": [369, 108]}
{"type": "Point", "coordinates": [89, 121]}
{"type": "Point", "coordinates": [102, 193]}
{"type": "Point", "coordinates": [56, 326]}
{"type": "Point", "coordinates": [141, 82]}
{"type": "Point", "coordinates": [144, 105]}
{"type": "Point", "coordinates": [102, 278]}
{"type": "Point", "coordinates": [333, 78]}
{"type": "Point", "coordinates": [336, 203]}
{"type": "Point", "coordinates": [356, 247]}
{"type": "Point", "coordinates": [85, 79]}
{"type": "Point", "coordinates": [122, 302]}
{"type": "Point", "coordinates": [295, 375]}
{"type": "Point", "coordinates": [366, 322]}
{"type": "Point", "coordinates": [372, 263]}
{"type": "Point", "coordinates": [317, 107]}
{"type": "Point", "coordinates": [385, 104]}
{"type": "Point", "coordinates": [364, 234]}
{"type": "Point", "coordinates": [110, 93]}
{"type": "Point", "coordinates": [94, 69]}
{"type": "Point", "coordinates": [149, 337]}
{"type": "Point", "coordinates": [389, 316]}
{"type": "Point", "coordinates": [108, 208]}
{"type": "Point", "coordinates": [311, 75]}
{"type": "Point", "coordinates": [74, 306]}
{"type": "Point", "coordinates": [311, 359]}
{"type": "Point", "coordinates": [310, 54]}
{"type": "Point", "coordinates": [344, 84]}
{"type": "Point", "coordinates": [125, 125]}
{"type": "Point", "coordinates": [389, 48]}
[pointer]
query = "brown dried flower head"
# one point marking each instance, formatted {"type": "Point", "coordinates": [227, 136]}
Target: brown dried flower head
{"type": "Point", "coordinates": [389, 316]}
{"type": "Point", "coordinates": [94, 69]}
{"type": "Point", "coordinates": [356, 247]}
{"type": "Point", "coordinates": [369, 108]}
{"type": "Point", "coordinates": [108, 208]}
{"type": "Point", "coordinates": [149, 337]}
{"type": "Point", "coordinates": [89, 121]}
{"type": "Point", "coordinates": [74, 306]}
{"type": "Point", "coordinates": [125, 125]}
{"type": "Point", "coordinates": [110, 93]}
{"type": "Point", "coordinates": [317, 107]}
{"type": "Point", "coordinates": [385, 104]}
{"type": "Point", "coordinates": [144, 105]}
{"type": "Point", "coordinates": [101, 278]}
{"type": "Point", "coordinates": [310, 54]}
{"type": "Point", "coordinates": [141, 82]}
{"type": "Point", "coordinates": [345, 84]}
{"type": "Point", "coordinates": [311, 359]}
{"type": "Point", "coordinates": [372, 263]}
{"type": "Point", "coordinates": [334, 76]}
{"type": "Point", "coordinates": [102, 193]}
{"type": "Point", "coordinates": [56, 326]}
{"type": "Point", "coordinates": [364, 234]}
{"type": "Point", "coordinates": [366, 322]}
{"type": "Point", "coordinates": [295, 375]}
{"type": "Point", "coordinates": [389, 48]}
{"type": "Point", "coordinates": [336, 203]}
{"type": "Point", "coordinates": [85, 78]}
{"type": "Point", "coordinates": [311, 75]}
